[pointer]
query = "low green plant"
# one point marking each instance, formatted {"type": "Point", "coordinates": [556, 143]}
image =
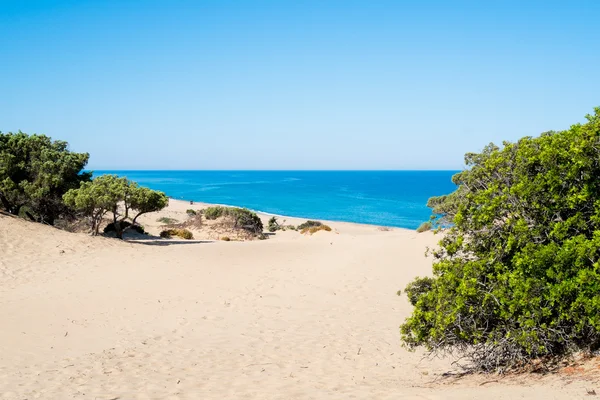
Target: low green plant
{"type": "Point", "coordinates": [417, 288]}
{"type": "Point", "coordinates": [214, 212]}
{"type": "Point", "coordinates": [424, 227]}
{"type": "Point", "coordinates": [182, 233]}
{"type": "Point", "coordinates": [167, 221]}
{"type": "Point", "coordinates": [314, 229]}
{"type": "Point", "coordinates": [191, 212]}
{"type": "Point", "coordinates": [309, 224]}
{"type": "Point", "coordinates": [246, 220]}
{"type": "Point", "coordinates": [273, 225]}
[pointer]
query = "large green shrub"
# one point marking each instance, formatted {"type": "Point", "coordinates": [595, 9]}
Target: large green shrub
{"type": "Point", "coordinates": [516, 276]}
{"type": "Point", "coordinates": [35, 173]}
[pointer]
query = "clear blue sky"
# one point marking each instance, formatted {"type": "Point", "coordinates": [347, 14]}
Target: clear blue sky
{"type": "Point", "coordinates": [295, 84]}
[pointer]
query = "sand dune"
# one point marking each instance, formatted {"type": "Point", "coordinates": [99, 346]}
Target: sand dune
{"type": "Point", "coordinates": [292, 317]}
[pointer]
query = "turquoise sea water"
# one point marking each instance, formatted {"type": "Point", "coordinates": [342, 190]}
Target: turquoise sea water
{"type": "Point", "coordinates": [389, 198]}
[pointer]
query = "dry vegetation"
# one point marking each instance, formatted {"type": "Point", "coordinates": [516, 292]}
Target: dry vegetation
{"type": "Point", "coordinates": [424, 227]}
{"type": "Point", "coordinates": [167, 221]}
{"type": "Point", "coordinates": [182, 233]}
{"type": "Point", "coordinates": [313, 229]}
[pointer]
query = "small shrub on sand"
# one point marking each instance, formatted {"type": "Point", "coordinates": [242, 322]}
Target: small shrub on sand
{"type": "Point", "coordinates": [225, 239]}
{"type": "Point", "coordinates": [273, 225]}
{"type": "Point", "coordinates": [182, 233]}
{"type": "Point", "coordinates": [313, 229]}
{"type": "Point", "coordinates": [191, 212]}
{"type": "Point", "coordinates": [167, 221]}
{"type": "Point", "coordinates": [214, 212]}
{"type": "Point", "coordinates": [125, 225]}
{"type": "Point", "coordinates": [241, 218]}
{"type": "Point", "coordinates": [309, 224]}
{"type": "Point", "coordinates": [424, 227]}
{"type": "Point", "coordinates": [245, 219]}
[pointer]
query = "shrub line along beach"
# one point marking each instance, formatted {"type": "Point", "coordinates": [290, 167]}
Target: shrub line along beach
{"type": "Point", "coordinates": [191, 204]}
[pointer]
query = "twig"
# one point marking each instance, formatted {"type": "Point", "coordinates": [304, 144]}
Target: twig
{"type": "Point", "coordinates": [486, 382]}
{"type": "Point", "coordinates": [249, 365]}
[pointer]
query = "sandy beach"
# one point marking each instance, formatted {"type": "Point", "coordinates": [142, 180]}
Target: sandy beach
{"type": "Point", "coordinates": [291, 317]}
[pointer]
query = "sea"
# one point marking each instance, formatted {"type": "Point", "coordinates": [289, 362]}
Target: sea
{"type": "Point", "coordinates": [385, 198]}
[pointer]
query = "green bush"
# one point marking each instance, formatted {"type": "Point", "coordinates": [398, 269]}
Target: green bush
{"type": "Point", "coordinates": [125, 225]}
{"type": "Point", "coordinates": [314, 229]}
{"type": "Point", "coordinates": [165, 234]}
{"type": "Point", "coordinates": [241, 218]}
{"type": "Point", "coordinates": [214, 212]}
{"type": "Point", "coordinates": [35, 173]}
{"type": "Point", "coordinates": [424, 227]}
{"type": "Point", "coordinates": [516, 277]}
{"type": "Point", "coordinates": [417, 288]}
{"type": "Point", "coordinates": [182, 233]}
{"type": "Point", "coordinates": [309, 224]}
{"type": "Point", "coordinates": [273, 225]}
{"type": "Point", "coordinates": [167, 221]}
{"type": "Point", "coordinates": [246, 219]}
{"type": "Point", "coordinates": [191, 212]}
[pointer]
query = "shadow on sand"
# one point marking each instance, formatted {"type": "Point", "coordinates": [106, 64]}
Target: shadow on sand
{"type": "Point", "coordinates": [157, 241]}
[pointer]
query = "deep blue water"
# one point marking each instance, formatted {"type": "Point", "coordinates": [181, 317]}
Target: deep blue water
{"type": "Point", "coordinates": [389, 198]}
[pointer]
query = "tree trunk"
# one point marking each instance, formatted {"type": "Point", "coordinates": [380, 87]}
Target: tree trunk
{"type": "Point", "coordinates": [31, 217]}
{"type": "Point", "coordinates": [97, 221]}
{"type": "Point", "coordinates": [118, 229]}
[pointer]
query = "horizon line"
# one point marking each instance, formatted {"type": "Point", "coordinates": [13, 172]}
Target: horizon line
{"type": "Point", "coordinates": [275, 170]}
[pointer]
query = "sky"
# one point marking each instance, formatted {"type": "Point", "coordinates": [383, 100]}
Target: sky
{"type": "Point", "coordinates": [323, 84]}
